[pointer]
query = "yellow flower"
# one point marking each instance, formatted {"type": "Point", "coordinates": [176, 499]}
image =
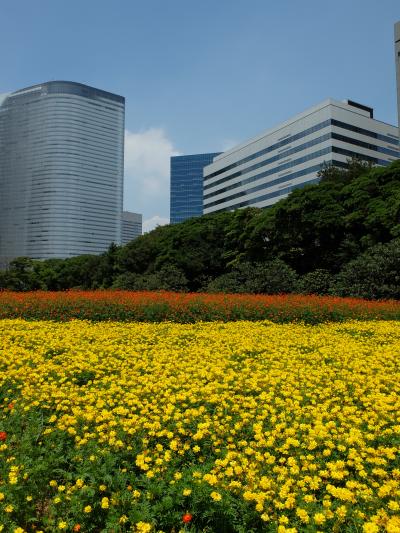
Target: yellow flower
{"type": "Point", "coordinates": [319, 518]}
{"type": "Point", "coordinates": [341, 511]}
{"type": "Point", "coordinates": [62, 525]}
{"type": "Point", "coordinates": [393, 524]}
{"type": "Point", "coordinates": [187, 492]}
{"type": "Point", "coordinates": [87, 509]}
{"type": "Point", "coordinates": [9, 508]}
{"type": "Point", "coordinates": [263, 397]}
{"type": "Point", "coordinates": [123, 519]}
{"type": "Point", "coordinates": [393, 505]}
{"type": "Point", "coordinates": [143, 527]}
{"type": "Point", "coordinates": [105, 503]}
{"type": "Point", "coordinates": [303, 515]}
{"type": "Point", "coordinates": [216, 496]}
{"type": "Point", "coordinates": [370, 527]}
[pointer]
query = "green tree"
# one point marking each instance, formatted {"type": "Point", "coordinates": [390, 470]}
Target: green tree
{"type": "Point", "coordinates": [272, 277]}
{"type": "Point", "coordinates": [328, 224]}
{"type": "Point", "coordinates": [168, 278]}
{"type": "Point", "coordinates": [21, 275]}
{"type": "Point", "coordinates": [375, 274]}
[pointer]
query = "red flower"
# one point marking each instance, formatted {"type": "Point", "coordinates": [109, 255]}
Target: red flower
{"type": "Point", "coordinates": [11, 406]}
{"type": "Point", "coordinates": [3, 436]}
{"type": "Point", "coordinates": [186, 518]}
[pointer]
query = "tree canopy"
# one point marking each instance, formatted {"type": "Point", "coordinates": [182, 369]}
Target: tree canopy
{"type": "Point", "coordinates": [312, 234]}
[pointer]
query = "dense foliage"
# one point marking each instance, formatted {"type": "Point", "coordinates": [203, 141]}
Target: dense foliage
{"type": "Point", "coordinates": [324, 238]}
{"type": "Point", "coordinates": [189, 307]}
{"type": "Point", "coordinates": [214, 428]}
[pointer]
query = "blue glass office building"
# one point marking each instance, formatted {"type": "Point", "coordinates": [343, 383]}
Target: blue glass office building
{"type": "Point", "coordinates": [186, 199]}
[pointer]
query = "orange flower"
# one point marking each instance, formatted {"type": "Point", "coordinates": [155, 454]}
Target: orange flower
{"type": "Point", "coordinates": [77, 527]}
{"type": "Point", "coordinates": [3, 436]}
{"type": "Point", "coordinates": [186, 518]}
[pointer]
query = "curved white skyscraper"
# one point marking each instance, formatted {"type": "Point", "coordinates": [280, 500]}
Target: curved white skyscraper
{"type": "Point", "coordinates": [397, 58]}
{"type": "Point", "coordinates": [61, 171]}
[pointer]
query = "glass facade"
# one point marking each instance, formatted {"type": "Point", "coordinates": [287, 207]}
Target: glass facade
{"type": "Point", "coordinates": [61, 171]}
{"type": "Point", "coordinates": [322, 125]}
{"type": "Point", "coordinates": [262, 170]}
{"type": "Point", "coordinates": [186, 190]}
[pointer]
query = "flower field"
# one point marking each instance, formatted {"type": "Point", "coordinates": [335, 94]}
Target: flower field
{"type": "Point", "coordinates": [214, 427]}
{"type": "Point", "coordinates": [189, 307]}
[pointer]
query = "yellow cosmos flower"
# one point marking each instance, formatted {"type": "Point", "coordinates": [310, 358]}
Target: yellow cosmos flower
{"type": "Point", "coordinates": [370, 527]}
{"type": "Point", "coordinates": [319, 518]}
{"type": "Point", "coordinates": [275, 413]}
{"type": "Point", "coordinates": [143, 527]}
{"type": "Point", "coordinates": [105, 503]}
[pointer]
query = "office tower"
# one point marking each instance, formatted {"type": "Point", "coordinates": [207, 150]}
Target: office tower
{"type": "Point", "coordinates": [186, 192]}
{"type": "Point", "coordinates": [263, 170]}
{"type": "Point", "coordinates": [61, 171]}
{"type": "Point", "coordinates": [397, 58]}
{"type": "Point", "coordinates": [131, 226]}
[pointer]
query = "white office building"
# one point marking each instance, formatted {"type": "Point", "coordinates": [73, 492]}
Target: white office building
{"type": "Point", "coordinates": [397, 59]}
{"type": "Point", "coordinates": [265, 169]}
{"type": "Point", "coordinates": [131, 226]}
{"type": "Point", "coordinates": [61, 171]}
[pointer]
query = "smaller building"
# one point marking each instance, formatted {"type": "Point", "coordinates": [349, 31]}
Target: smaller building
{"type": "Point", "coordinates": [131, 226]}
{"type": "Point", "coordinates": [186, 186]}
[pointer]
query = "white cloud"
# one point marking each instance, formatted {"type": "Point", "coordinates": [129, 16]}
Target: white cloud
{"type": "Point", "coordinates": [152, 222]}
{"type": "Point", "coordinates": [147, 167]}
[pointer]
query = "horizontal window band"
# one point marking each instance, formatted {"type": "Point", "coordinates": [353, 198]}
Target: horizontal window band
{"type": "Point", "coordinates": [288, 140]}
{"type": "Point", "coordinates": [318, 140]}
{"type": "Point", "coordinates": [288, 177]}
{"type": "Point", "coordinates": [294, 175]}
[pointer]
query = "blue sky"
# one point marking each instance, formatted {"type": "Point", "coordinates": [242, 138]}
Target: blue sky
{"type": "Point", "coordinates": [202, 76]}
